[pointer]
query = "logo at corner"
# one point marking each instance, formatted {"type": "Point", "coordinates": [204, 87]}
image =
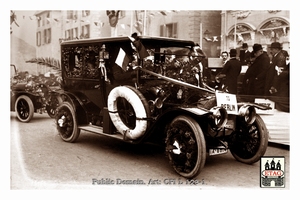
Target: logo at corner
{"type": "Point", "coordinates": [272, 172]}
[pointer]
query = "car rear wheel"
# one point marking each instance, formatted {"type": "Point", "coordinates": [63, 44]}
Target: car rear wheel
{"type": "Point", "coordinates": [66, 123]}
{"type": "Point", "coordinates": [24, 108]}
{"type": "Point", "coordinates": [250, 142]}
{"type": "Point", "coordinates": [185, 146]}
{"type": "Point", "coordinates": [54, 102]}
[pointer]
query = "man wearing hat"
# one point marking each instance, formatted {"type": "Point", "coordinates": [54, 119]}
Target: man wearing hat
{"type": "Point", "coordinates": [230, 72]}
{"type": "Point", "coordinates": [255, 77]}
{"type": "Point", "coordinates": [245, 54]}
{"type": "Point", "coordinates": [278, 79]}
{"type": "Point", "coordinates": [198, 60]}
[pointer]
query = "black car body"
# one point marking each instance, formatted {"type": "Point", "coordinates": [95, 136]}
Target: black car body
{"type": "Point", "coordinates": [152, 89]}
{"type": "Point", "coordinates": [30, 96]}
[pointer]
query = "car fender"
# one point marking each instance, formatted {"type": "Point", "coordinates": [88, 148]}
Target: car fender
{"type": "Point", "coordinates": [160, 124]}
{"type": "Point", "coordinates": [77, 104]}
{"type": "Point", "coordinates": [16, 94]}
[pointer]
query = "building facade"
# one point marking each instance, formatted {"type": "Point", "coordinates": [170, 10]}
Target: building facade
{"type": "Point", "coordinates": [215, 31]}
{"type": "Point", "coordinates": [54, 27]}
{"type": "Point", "coordinates": [255, 26]}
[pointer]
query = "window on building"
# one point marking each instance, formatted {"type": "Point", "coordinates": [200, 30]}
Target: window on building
{"type": "Point", "coordinates": [38, 39]}
{"type": "Point", "coordinates": [75, 15]}
{"type": "Point", "coordinates": [68, 34]}
{"type": "Point", "coordinates": [70, 14]}
{"type": "Point", "coordinates": [38, 21]}
{"type": "Point", "coordinates": [48, 18]}
{"type": "Point", "coordinates": [75, 33]}
{"type": "Point", "coordinates": [85, 13]}
{"type": "Point", "coordinates": [47, 36]}
{"type": "Point", "coordinates": [122, 14]}
{"type": "Point", "coordinates": [71, 34]}
{"type": "Point", "coordinates": [85, 31]}
{"type": "Point", "coordinates": [169, 30]}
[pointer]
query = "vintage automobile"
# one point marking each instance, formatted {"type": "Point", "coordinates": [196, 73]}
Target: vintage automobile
{"type": "Point", "coordinates": [31, 96]}
{"type": "Point", "coordinates": [152, 89]}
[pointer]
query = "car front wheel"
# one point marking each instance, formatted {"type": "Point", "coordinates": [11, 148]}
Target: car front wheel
{"type": "Point", "coordinates": [24, 108]}
{"type": "Point", "coordinates": [185, 146]}
{"type": "Point", "coordinates": [250, 142]}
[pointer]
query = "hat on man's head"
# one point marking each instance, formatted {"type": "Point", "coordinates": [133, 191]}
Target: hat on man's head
{"type": "Point", "coordinates": [275, 45]}
{"type": "Point", "coordinates": [245, 45]}
{"type": "Point", "coordinates": [257, 47]}
{"type": "Point", "coordinates": [134, 35]}
{"type": "Point", "coordinates": [232, 52]}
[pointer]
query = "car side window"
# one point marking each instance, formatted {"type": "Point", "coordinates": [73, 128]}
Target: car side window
{"type": "Point", "coordinates": [81, 61]}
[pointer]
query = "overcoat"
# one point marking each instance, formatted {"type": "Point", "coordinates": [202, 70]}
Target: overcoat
{"type": "Point", "coordinates": [281, 81]}
{"type": "Point", "coordinates": [232, 70]}
{"type": "Point", "coordinates": [255, 77]}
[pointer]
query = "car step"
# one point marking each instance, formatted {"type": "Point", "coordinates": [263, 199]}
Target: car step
{"type": "Point", "coordinates": [99, 130]}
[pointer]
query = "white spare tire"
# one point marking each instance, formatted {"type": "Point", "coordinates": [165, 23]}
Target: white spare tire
{"type": "Point", "coordinates": [140, 106]}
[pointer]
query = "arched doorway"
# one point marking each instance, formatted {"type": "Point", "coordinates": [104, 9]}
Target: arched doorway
{"type": "Point", "coordinates": [239, 34]}
{"type": "Point", "coordinates": [275, 29]}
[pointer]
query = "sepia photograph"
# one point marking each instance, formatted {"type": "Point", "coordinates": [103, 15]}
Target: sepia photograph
{"type": "Point", "coordinates": [188, 100]}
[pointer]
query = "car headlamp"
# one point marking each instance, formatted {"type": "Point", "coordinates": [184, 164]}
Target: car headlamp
{"type": "Point", "coordinates": [219, 117]}
{"type": "Point", "coordinates": [248, 112]}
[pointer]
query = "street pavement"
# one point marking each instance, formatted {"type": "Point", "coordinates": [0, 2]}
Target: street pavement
{"type": "Point", "coordinates": [74, 165]}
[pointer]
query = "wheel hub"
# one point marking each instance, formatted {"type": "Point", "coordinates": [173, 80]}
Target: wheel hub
{"type": "Point", "coordinates": [176, 148]}
{"type": "Point", "coordinates": [61, 121]}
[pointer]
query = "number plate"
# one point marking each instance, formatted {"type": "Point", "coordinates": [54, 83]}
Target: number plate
{"type": "Point", "coordinates": [227, 101]}
{"type": "Point", "coordinates": [213, 152]}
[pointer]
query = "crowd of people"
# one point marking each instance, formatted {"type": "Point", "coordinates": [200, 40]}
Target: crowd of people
{"type": "Point", "coordinates": [267, 75]}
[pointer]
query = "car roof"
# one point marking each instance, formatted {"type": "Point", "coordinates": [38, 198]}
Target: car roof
{"type": "Point", "coordinates": [146, 40]}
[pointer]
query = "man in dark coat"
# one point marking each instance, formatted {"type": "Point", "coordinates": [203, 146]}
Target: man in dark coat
{"type": "Point", "coordinates": [245, 54]}
{"type": "Point", "coordinates": [230, 72]}
{"type": "Point", "coordinates": [255, 77]}
{"type": "Point", "coordinates": [278, 75]}
{"type": "Point", "coordinates": [278, 79]}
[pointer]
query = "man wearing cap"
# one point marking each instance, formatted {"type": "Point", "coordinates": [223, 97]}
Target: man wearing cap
{"type": "Point", "coordinates": [278, 79]}
{"type": "Point", "coordinates": [255, 77]}
{"type": "Point", "coordinates": [245, 54]}
{"type": "Point", "coordinates": [198, 60]}
{"type": "Point", "coordinates": [230, 72]}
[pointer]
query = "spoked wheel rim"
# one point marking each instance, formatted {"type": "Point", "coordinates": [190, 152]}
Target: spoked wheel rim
{"type": "Point", "coordinates": [247, 142]}
{"type": "Point", "coordinates": [250, 142]}
{"type": "Point", "coordinates": [53, 105]}
{"type": "Point", "coordinates": [51, 111]}
{"type": "Point", "coordinates": [23, 109]}
{"type": "Point", "coordinates": [185, 147]}
{"type": "Point", "coordinates": [126, 112]}
{"type": "Point", "coordinates": [66, 123]}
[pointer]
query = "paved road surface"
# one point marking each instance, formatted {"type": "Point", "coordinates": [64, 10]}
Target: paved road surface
{"type": "Point", "coordinates": [41, 160]}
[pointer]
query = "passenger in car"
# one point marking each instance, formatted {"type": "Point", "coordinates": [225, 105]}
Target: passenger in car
{"type": "Point", "coordinates": [52, 81]}
{"type": "Point", "coordinates": [91, 71]}
{"type": "Point", "coordinates": [198, 61]}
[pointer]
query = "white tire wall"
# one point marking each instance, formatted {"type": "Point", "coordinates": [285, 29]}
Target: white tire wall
{"type": "Point", "coordinates": [135, 99]}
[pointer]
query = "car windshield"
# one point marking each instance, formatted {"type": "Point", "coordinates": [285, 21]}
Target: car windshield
{"type": "Point", "coordinates": [180, 63]}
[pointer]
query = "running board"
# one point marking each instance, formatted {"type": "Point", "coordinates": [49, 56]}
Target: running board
{"type": "Point", "coordinates": [99, 130]}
